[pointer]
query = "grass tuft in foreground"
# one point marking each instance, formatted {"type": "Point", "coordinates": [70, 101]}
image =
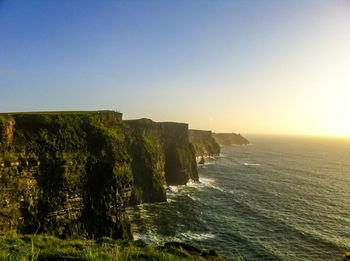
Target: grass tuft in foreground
{"type": "Point", "coordinates": [29, 247]}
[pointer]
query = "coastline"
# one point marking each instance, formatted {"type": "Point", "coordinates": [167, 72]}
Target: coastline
{"type": "Point", "coordinates": [76, 183]}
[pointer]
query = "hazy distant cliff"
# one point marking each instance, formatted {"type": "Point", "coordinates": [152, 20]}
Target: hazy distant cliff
{"type": "Point", "coordinates": [227, 139]}
{"type": "Point", "coordinates": [203, 142]}
{"type": "Point", "coordinates": [65, 174]}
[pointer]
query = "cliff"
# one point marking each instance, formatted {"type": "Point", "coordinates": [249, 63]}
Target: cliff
{"type": "Point", "coordinates": [228, 139]}
{"type": "Point", "coordinates": [148, 160]}
{"type": "Point", "coordinates": [161, 155]}
{"type": "Point", "coordinates": [203, 142]}
{"type": "Point", "coordinates": [71, 174]}
{"type": "Point", "coordinates": [180, 161]}
{"type": "Point", "coordinates": [66, 174]}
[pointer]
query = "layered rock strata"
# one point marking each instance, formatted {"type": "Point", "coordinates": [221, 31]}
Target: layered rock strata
{"type": "Point", "coordinates": [66, 174]}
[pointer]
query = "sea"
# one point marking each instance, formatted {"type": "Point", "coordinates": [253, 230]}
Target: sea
{"type": "Point", "coordinates": [279, 198]}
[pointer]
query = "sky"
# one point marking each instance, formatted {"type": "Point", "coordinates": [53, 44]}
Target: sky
{"type": "Point", "coordinates": [263, 66]}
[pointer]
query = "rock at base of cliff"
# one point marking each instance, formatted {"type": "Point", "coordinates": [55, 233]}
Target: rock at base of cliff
{"type": "Point", "coordinates": [190, 250]}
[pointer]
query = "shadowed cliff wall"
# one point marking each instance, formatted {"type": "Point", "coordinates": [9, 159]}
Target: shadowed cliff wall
{"type": "Point", "coordinates": [66, 174]}
{"type": "Point", "coordinates": [161, 155]}
{"type": "Point", "coordinates": [203, 142]}
{"type": "Point", "coordinates": [146, 149]}
{"type": "Point", "coordinates": [180, 160]}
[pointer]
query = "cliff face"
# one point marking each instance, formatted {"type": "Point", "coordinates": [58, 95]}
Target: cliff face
{"type": "Point", "coordinates": [180, 162]}
{"type": "Point", "coordinates": [161, 155]}
{"type": "Point", "coordinates": [71, 174]}
{"type": "Point", "coordinates": [64, 174]}
{"type": "Point", "coordinates": [203, 142]}
{"type": "Point", "coordinates": [146, 149]}
{"type": "Point", "coordinates": [228, 139]}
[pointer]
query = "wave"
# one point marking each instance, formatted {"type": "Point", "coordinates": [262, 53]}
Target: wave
{"type": "Point", "coordinates": [195, 236]}
{"type": "Point", "coordinates": [251, 164]}
{"type": "Point", "coordinates": [206, 181]}
{"type": "Point", "coordinates": [193, 198]}
{"type": "Point", "coordinates": [284, 210]}
{"type": "Point", "coordinates": [143, 237]}
{"type": "Point", "coordinates": [173, 189]}
{"type": "Point", "coordinates": [203, 183]}
{"type": "Point", "coordinates": [154, 239]}
{"type": "Point", "coordinates": [301, 233]}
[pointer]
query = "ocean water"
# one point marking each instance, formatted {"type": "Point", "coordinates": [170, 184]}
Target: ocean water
{"type": "Point", "coordinates": [281, 198]}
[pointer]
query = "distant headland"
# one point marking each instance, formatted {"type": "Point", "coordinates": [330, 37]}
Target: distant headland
{"type": "Point", "coordinates": [229, 139]}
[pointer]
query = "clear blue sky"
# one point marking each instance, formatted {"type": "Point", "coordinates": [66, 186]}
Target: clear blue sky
{"type": "Point", "coordinates": [246, 66]}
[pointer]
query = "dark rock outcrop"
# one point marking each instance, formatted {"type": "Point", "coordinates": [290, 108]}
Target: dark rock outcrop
{"type": "Point", "coordinates": [229, 139]}
{"type": "Point", "coordinates": [193, 251]}
{"type": "Point", "coordinates": [66, 174]}
{"type": "Point", "coordinates": [204, 144]}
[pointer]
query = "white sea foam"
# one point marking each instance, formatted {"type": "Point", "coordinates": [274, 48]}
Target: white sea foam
{"type": "Point", "coordinates": [193, 198]}
{"type": "Point", "coordinates": [144, 237]}
{"type": "Point", "coordinates": [217, 188]}
{"type": "Point", "coordinates": [206, 181]}
{"type": "Point", "coordinates": [169, 200]}
{"type": "Point", "coordinates": [138, 236]}
{"type": "Point", "coordinates": [173, 189]}
{"type": "Point", "coordinates": [203, 182]}
{"type": "Point", "coordinates": [195, 236]}
{"type": "Point", "coordinates": [212, 162]}
{"type": "Point", "coordinates": [200, 185]}
{"type": "Point", "coordinates": [153, 239]}
{"type": "Point", "coordinates": [251, 164]}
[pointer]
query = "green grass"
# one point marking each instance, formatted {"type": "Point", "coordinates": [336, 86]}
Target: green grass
{"type": "Point", "coordinates": [39, 247]}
